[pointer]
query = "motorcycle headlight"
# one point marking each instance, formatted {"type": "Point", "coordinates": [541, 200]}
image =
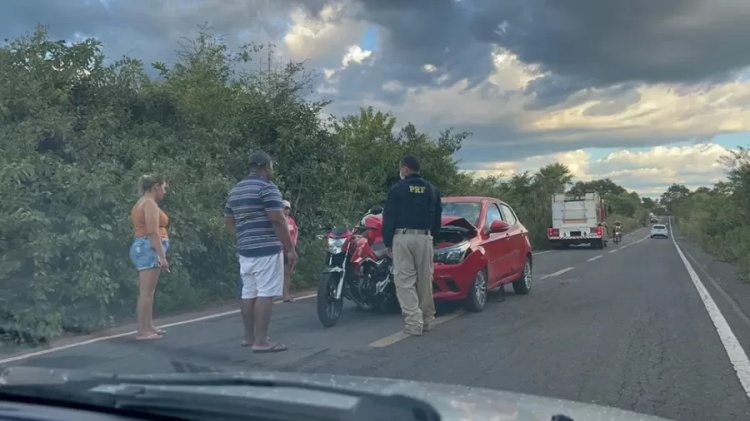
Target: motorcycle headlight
{"type": "Point", "coordinates": [335, 245]}
{"type": "Point", "coordinates": [451, 255]}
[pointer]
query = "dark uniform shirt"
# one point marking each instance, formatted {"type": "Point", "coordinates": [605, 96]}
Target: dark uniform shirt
{"type": "Point", "coordinates": [413, 203]}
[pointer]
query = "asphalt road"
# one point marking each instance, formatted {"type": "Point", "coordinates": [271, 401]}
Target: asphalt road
{"type": "Point", "coordinates": [622, 327]}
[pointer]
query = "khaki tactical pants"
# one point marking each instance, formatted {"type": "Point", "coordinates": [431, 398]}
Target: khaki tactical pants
{"type": "Point", "coordinates": [412, 272]}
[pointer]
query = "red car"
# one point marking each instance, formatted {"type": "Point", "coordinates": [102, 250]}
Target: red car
{"type": "Point", "coordinates": [482, 245]}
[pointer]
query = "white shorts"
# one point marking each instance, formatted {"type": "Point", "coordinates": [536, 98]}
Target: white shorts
{"type": "Point", "coordinates": [262, 276]}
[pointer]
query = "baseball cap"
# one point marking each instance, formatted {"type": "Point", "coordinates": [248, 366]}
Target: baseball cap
{"type": "Point", "coordinates": [287, 204]}
{"type": "Point", "coordinates": [259, 159]}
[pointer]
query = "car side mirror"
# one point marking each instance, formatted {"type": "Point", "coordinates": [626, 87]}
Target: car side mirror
{"type": "Point", "coordinates": [499, 226]}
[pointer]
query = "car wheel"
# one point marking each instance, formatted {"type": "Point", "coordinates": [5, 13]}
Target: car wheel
{"type": "Point", "coordinates": [523, 285]}
{"type": "Point", "coordinates": [477, 299]}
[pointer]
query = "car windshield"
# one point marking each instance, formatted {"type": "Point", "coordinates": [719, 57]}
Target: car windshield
{"type": "Point", "coordinates": [466, 210]}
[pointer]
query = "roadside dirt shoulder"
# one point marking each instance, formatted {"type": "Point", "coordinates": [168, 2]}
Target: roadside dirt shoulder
{"type": "Point", "coordinates": [230, 307]}
{"type": "Point", "coordinates": [722, 280]}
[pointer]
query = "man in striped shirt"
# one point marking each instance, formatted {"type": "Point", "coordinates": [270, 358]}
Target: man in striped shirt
{"type": "Point", "coordinates": [254, 216]}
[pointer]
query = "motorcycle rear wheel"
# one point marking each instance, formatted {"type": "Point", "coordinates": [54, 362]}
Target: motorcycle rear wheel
{"type": "Point", "coordinates": [329, 308]}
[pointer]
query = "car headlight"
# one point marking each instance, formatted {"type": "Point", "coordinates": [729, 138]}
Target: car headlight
{"type": "Point", "coordinates": [335, 245]}
{"type": "Point", "coordinates": [451, 255]}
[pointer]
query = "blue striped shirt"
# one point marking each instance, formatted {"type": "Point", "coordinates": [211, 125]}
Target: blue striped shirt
{"type": "Point", "coordinates": [248, 204]}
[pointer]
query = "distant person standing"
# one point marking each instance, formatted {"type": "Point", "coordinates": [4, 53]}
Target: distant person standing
{"type": "Point", "coordinates": [254, 216]}
{"type": "Point", "coordinates": [288, 268]}
{"type": "Point", "coordinates": [148, 252]}
{"type": "Point", "coordinates": [411, 219]}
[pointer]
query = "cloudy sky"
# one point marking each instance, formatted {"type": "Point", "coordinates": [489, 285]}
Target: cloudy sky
{"type": "Point", "coordinates": [646, 92]}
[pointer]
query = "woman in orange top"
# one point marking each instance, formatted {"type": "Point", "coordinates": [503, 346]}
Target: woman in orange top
{"type": "Point", "coordinates": [148, 251]}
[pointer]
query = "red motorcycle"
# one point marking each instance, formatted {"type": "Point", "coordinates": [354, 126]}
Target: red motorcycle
{"type": "Point", "coordinates": [357, 268]}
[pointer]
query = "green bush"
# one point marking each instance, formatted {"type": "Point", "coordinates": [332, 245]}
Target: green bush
{"type": "Point", "coordinates": [718, 217]}
{"type": "Point", "coordinates": [76, 133]}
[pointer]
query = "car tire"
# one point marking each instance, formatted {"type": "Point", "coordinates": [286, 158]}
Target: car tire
{"type": "Point", "coordinates": [477, 299]}
{"type": "Point", "coordinates": [523, 285]}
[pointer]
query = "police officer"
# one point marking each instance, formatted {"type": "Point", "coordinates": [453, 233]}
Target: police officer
{"type": "Point", "coordinates": [411, 218]}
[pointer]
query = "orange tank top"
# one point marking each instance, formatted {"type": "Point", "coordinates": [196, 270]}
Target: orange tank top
{"type": "Point", "coordinates": [138, 216]}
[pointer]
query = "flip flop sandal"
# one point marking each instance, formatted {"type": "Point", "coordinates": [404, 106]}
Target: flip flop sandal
{"type": "Point", "coordinates": [289, 300]}
{"type": "Point", "coordinates": [148, 338]}
{"type": "Point", "coordinates": [277, 347]}
{"type": "Point", "coordinates": [160, 332]}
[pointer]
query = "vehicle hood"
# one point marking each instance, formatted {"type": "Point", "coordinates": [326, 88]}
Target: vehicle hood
{"type": "Point", "coordinates": [452, 402]}
{"type": "Point", "coordinates": [458, 221]}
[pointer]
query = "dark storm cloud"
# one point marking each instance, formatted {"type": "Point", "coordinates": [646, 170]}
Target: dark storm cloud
{"type": "Point", "coordinates": [148, 30]}
{"type": "Point", "coordinates": [416, 33]}
{"type": "Point", "coordinates": [622, 40]}
{"type": "Point", "coordinates": [583, 43]}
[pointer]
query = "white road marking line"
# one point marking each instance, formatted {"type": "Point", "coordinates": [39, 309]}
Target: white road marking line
{"type": "Point", "coordinates": [736, 354]}
{"type": "Point", "coordinates": [400, 336]}
{"type": "Point", "coordinates": [33, 354]}
{"type": "Point", "coordinates": [613, 251]}
{"type": "Point", "coordinates": [559, 272]}
{"type": "Point", "coordinates": [542, 252]}
{"type": "Point", "coordinates": [594, 258]}
{"type": "Point", "coordinates": [718, 287]}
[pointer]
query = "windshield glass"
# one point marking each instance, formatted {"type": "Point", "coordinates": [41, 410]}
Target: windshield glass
{"type": "Point", "coordinates": [467, 210]}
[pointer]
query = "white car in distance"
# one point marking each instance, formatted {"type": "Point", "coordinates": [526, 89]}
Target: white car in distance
{"type": "Point", "coordinates": [659, 230]}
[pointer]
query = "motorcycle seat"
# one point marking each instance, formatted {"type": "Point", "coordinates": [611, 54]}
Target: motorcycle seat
{"type": "Point", "coordinates": [379, 249]}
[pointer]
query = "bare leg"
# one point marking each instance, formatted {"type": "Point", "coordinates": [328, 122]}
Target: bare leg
{"type": "Point", "coordinates": [287, 282]}
{"type": "Point", "coordinates": [247, 307]}
{"type": "Point", "coordinates": [147, 280]}
{"type": "Point", "coordinates": [263, 310]}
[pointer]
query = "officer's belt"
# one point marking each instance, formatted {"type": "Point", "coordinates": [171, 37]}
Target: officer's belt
{"type": "Point", "coordinates": [412, 231]}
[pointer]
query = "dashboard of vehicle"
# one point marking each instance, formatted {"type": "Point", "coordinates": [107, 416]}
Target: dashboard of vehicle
{"type": "Point", "coordinates": [15, 411]}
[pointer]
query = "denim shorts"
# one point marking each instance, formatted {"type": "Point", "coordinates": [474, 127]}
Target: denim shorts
{"type": "Point", "coordinates": [143, 255]}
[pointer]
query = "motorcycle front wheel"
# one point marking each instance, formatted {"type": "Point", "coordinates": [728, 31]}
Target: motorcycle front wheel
{"type": "Point", "coordinates": [329, 308]}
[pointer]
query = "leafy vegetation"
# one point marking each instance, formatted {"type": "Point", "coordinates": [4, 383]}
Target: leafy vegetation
{"type": "Point", "coordinates": [76, 133]}
{"type": "Point", "coordinates": [718, 218]}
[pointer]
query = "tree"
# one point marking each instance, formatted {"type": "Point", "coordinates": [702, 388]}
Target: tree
{"type": "Point", "coordinates": [718, 217]}
{"type": "Point", "coordinates": [674, 194]}
{"type": "Point", "coordinates": [648, 204]}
